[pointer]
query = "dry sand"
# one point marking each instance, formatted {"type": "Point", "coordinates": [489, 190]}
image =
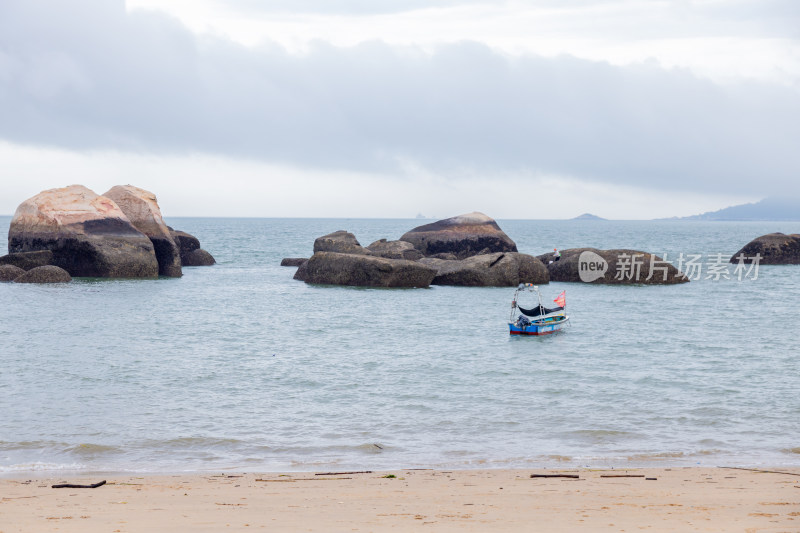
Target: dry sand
{"type": "Point", "coordinates": [680, 499]}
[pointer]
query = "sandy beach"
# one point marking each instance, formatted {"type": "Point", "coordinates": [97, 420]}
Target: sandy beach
{"type": "Point", "coordinates": [651, 499]}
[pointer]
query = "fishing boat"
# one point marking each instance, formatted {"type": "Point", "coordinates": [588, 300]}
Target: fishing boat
{"type": "Point", "coordinates": [537, 320]}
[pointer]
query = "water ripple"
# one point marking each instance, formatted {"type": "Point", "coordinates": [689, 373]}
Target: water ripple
{"type": "Point", "coordinates": [240, 366]}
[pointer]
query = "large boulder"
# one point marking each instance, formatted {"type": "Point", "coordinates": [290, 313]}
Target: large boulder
{"type": "Point", "coordinates": [197, 258]}
{"type": "Point", "coordinates": [342, 242]}
{"type": "Point", "coordinates": [463, 236]}
{"type": "Point", "coordinates": [44, 274]}
{"type": "Point", "coordinates": [333, 268]}
{"type": "Point", "coordinates": [10, 272]}
{"type": "Point", "coordinates": [395, 250]}
{"type": "Point", "coordinates": [507, 269]}
{"type": "Point", "coordinates": [774, 249]}
{"type": "Point", "coordinates": [613, 267]}
{"type": "Point", "coordinates": [28, 260]}
{"type": "Point", "coordinates": [141, 208]}
{"type": "Point", "coordinates": [190, 252]}
{"type": "Point", "coordinates": [88, 234]}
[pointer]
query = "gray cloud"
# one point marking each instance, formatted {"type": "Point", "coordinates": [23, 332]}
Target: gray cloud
{"type": "Point", "coordinates": [90, 76]}
{"type": "Point", "coordinates": [349, 7]}
{"type": "Point", "coordinates": [770, 11]}
{"type": "Point", "coordinates": [643, 19]}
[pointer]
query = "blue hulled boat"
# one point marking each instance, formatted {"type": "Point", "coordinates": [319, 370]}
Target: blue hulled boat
{"type": "Point", "coordinates": [538, 320]}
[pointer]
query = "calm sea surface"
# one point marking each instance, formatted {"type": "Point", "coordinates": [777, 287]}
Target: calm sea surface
{"type": "Point", "coordinates": [240, 367]}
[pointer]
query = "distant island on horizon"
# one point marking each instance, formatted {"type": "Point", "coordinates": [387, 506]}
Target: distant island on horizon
{"type": "Point", "coordinates": [588, 216]}
{"type": "Point", "coordinates": [770, 209]}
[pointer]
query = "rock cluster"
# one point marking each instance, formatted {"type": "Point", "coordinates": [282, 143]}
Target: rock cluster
{"type": "Point", "coordinates": [120, 234]}
{"type": "Point", "coordinates": [773, 249]}
{"type": "Point", "coordinates": [469, 250]}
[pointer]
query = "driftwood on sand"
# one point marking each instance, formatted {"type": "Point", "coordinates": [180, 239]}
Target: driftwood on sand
{"type": "Point", "coordinates": [71, 486]}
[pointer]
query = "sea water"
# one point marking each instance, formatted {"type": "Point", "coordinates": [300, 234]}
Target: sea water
{"type": "Point", "coordinates": [240, 367]}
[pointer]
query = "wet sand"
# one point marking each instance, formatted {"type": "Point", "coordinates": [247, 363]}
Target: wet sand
{"type": "Point", "coordinates": [678, 499]}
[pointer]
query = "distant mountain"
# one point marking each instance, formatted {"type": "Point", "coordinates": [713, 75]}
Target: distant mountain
{"type": "Point", "coordinates": [768, 209]}
{"type": "Point", "coordinates": [588, 216]}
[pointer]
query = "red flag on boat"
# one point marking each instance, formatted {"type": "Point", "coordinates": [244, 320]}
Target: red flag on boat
{"type": "Point", "coordinates": [561, 299]}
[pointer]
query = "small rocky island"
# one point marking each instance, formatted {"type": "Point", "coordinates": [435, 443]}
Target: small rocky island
{"type": "Point", "coordinates": [74, 232]}
{"type": "Point", "coordinates": [467, 250]}
{"type": "Point", "coordinates": [587, 216]}
{"type": "Point", "coordinates": [773, 249]}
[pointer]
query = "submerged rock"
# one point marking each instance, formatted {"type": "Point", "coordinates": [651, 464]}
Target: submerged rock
{"type": "Point", "coordinates": [334, 268]}
{"type": "Point", "coordinates": [28, 260]}
{"type": "Point", "coordinates": [462, 236]}
{"type": "Point", "coordinates": [44, 274]}
{"type": "Point", "coordinates": [613, 267]}
{"type": "Point", "coordinates": [141, 208]}
{"type": "Point", "coordinates": [10, 272]}
{"type": "Point", "coordinates": [88, 234]}
{"type": "Point", "coordinates": [774, 249]}
{"type": "Point", "coordinates": [489, 270]}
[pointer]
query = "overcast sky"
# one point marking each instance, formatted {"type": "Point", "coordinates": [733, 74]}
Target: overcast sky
{"type": "Point", "coordinates": [389, 108]}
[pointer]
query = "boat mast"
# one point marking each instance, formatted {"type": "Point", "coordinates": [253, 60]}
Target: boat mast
{"type": "Point", "coordinates": [539, 295]}
{"type": "Point", "coordinates": [514, 303]}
